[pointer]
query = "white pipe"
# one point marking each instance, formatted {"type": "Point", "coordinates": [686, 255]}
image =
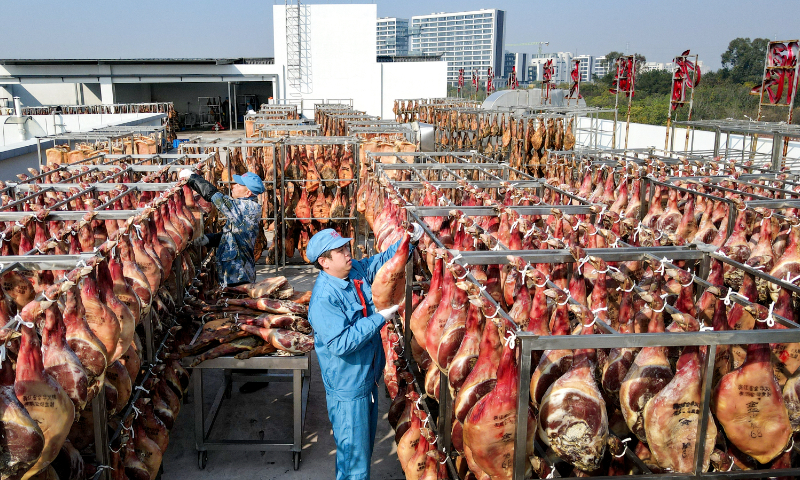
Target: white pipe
{"type": "Point", "coordinates": [17, 107]}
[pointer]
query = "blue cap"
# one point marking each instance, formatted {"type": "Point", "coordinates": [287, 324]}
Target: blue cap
{"type": "Point", "coordinates": [251, 181]}
{"type": "Point", "coordinates": [323, 241]}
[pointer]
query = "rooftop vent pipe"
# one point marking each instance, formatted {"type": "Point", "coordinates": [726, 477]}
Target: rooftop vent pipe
{"type": "Point", "coordinates": [17, 107]}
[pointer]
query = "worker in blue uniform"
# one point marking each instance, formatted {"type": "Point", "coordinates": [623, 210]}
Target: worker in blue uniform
{"type": "Point", "coordinates": [348, 344]}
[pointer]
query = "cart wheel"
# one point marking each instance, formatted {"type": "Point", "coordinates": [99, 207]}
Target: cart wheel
{"type": "Point", "coordinates": [296, 460]}
{"type": "Point", "coordinates": [202, 459]}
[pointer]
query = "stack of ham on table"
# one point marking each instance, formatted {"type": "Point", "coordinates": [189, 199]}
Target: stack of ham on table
{"type": "Point", "coordinates": [688, 285]}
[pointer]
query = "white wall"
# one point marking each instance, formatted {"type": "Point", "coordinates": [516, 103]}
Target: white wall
{"type": "Point", "coordinates": [342, 40]}
{"type": "Point", "coordinates": [424, 79]}
{"type": "Point", "coordinates": [41, 125]}
{"type": "Point", "coordinates": [645, 136]}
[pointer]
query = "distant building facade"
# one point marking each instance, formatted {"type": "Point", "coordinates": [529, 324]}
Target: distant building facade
{"type": "Point", "coordinates": [518, 61]}
{"type": "Point", "coordinates": [392, 38]}
{"type": "Point", "coordinates": [469, 40]}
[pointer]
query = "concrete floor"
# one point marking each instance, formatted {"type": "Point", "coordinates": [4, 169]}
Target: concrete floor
{"type": "Point", "coordinates": [246, 416]}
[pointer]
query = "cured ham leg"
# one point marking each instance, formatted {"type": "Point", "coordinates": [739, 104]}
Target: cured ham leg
{"type": "Point", "coordinates": [483, 377]}
{"type": "Point", "coordinates": [454, 328]}
{"type": "Point", "coordinates": [22, 441]}
{"type": "Point", "coordinates": [490, 427]}
{"type": "Point", "coordinates": [60, 361]}
{"type": "Point", "coordinates": [44, 399]}
{"type": "Point", "coordinates": [264, 305]}
{"type": "Point", "coordinates": [389, 285]}
{"type": "Point", "coordinates": [671, 417]}
{"type": "Point", "coordinates": [749, 405]}
{"type": "Point", "coordinates": [573, 418]}
{"type": "Point", "coordinates": [422, 314]}
{"type": "Point", "coordinates": [101, 319]}
{"type": "Point", "coordinates": [467, 354]}
{"type": "Point", "coordinates": [286, 340]}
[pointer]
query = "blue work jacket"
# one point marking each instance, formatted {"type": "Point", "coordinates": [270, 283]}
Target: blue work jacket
{"type": "Point", "coordinates": [235, 254]}
{"type": "Point", "coordinates": [347, 343]}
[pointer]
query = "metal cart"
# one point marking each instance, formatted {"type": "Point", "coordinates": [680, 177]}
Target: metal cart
{"type": "Point", "coordinates": [252, 369]}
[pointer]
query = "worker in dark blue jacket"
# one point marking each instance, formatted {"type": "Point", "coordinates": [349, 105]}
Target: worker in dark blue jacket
{"type": "Point", "coordinates": [348, 345]}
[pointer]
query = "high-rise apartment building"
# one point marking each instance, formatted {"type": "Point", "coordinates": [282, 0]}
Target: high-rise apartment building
{"type": "Point", "coordinates": [392, 36]}
{"type": "Point", "coordinates": [518, 61]}
{"type": "Point", "coordinates": [600, 67]}
{"type": "Point", "coordinates": [468, 40]}
{"type": "Point", "coordinates": [562, 67]}
{"type": "Point", "coordinates": [586, 68]}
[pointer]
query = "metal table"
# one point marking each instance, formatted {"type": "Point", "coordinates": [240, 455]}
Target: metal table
{"type": "Point", "coordinates": [203, 424]}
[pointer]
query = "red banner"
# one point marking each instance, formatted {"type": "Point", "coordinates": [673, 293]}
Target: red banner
{"type": "Point", "coordinates": [576, 78]}
{"type": "Point", "coordinates": [781, 72]}
{"type": "Point", "coordinates": [625, 77]}
{"type": "Point", "coordinates": [686, 75]}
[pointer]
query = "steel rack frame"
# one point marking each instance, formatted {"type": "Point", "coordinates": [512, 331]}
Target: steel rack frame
{"type": "Point", "coordinates": [618, 254]}
{"type": "Point", "coordinates": [542, 256]}
{"type": "Point", "coordinates": [367, 132]}
{"type": "Point", "coordinates": [102, 441]}
{"type": "Point", "coordinates": [347, 141]}
{"type": "Point", "coordinates": [780, 132]}
{"type": "Point", "coordinates": [529, 342]}
{"type": "Point", "coordinates": [90, 136]}
{"type": "Point", "coordinates": [151, 107]}
{"type": "Point", "coordinates": [288, 130]}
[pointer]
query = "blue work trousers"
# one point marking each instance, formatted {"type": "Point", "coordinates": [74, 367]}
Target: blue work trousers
{"type": "Point", "coordinates": [355, 422]}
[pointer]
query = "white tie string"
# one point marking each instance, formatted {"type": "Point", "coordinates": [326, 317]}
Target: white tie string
{"type": "Point", "coordinates": [790, 447]}
{"type": "Point", "coordinates": [770, 320]}
{"type": "Point", "coordinates": [451, 262]}
{"type": "Point", "coordinates": [466, 272]}
{"type": "Point", "coordinates": [511, 340]}
{"type": "Point", "coordinates": [2, 352]}
{"type": "Point", "coordinates": [662, 267]}
{"type": "Point", "coordinates": [566, 300]}
{"type": "Point", "coordinates": [789, 278]}
{"type": "Point", "coordinates": [494, 315]}
{"type": "Point", "coordinates": [546, 279]}
{"type": "Point", "coordinates": [583, 261]}
{"type": "Point", "coordinates": [100, 468]}
{"type": "Point", "coordinates": [139, 387]}
{"type": "Point", "coordinates": [136, 411]}
{"type": "Point", "coordinates": [625, 444]}
{"type": "Point", "coordinates": [629, 290]}
{"type": "Point", "coordinates": [727, 299]}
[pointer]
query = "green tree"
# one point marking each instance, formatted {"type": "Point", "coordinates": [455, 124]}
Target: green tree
{"type": "Point", "coordinates": [654, 82]}
{"type": "Point", "coordinates": [744, 59]}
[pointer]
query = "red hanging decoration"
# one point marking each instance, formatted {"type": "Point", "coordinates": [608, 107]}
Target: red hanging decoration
{"type": "Point", "coordinates": [625, 77]}
{"type": "Point", "coordinates": [780, 73]}
{"type": "Point", "coordinates": [576, 77]}
{"type": "Point", "coordinates": [686, 75]}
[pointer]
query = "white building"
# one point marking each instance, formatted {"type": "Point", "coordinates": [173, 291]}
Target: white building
{"type": "Point", "coordinates": [468, 40]}
{"type": "Point", "coordinates": [518, 61]}
{"type": "Point", "coordinates": [599, 67]}
{"type": "Point", "coordinates": [392, 36]}
{"type": "Point", "coordinates": [562, 67]}
{"type": "Point", "coordinates": [315, 60]}
{"type": "Point", "coordinates": [586, 68]}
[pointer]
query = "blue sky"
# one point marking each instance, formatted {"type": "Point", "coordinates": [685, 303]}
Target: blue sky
{"type": "Point", "coordinates": [235, 28]}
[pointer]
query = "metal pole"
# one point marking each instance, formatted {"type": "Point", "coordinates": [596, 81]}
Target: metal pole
{"type": "Point", "coordinates": [616, 111]}
{"type": "Point", "coordinates": [230, 118]}
{"type": "Point", "coordinates": [691, 104]}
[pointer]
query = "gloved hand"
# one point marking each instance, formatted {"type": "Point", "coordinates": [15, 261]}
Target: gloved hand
{"type": "Point", "coordinates": [185, 173]}
{"type": "Point", "coordinates": [417, 233]}
{"type": "Point", "coordinates": [200, 241]}
{"type": "Point", "coordinates": [388, 313]}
